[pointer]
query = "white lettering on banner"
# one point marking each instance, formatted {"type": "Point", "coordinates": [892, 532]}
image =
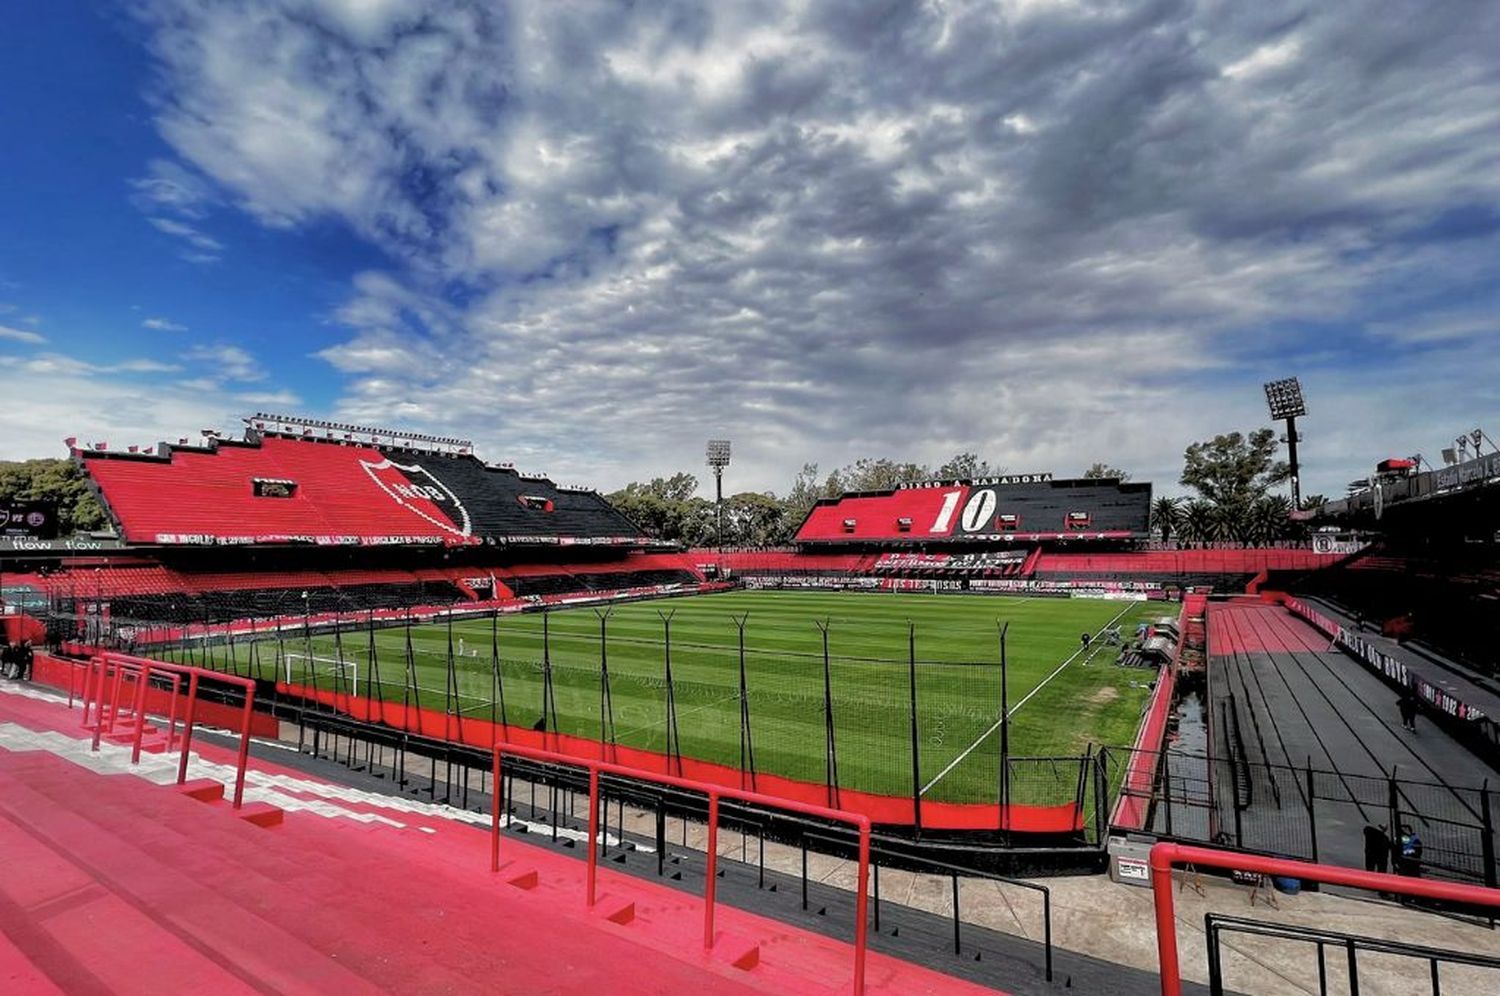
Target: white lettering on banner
{"type": "Point", "coordinates": [980, 482]}
{"type": "Point", "coordinates": [1384, 664]}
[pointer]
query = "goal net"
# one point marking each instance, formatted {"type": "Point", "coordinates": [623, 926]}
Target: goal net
{"type": "Point", "coordinates": [325, 672]}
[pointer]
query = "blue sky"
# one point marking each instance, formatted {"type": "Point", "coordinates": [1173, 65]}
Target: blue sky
{"type": "Point", "coordinates": [592, 235]}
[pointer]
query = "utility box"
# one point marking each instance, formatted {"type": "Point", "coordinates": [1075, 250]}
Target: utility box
{"type": "Point", "coordinates": [1129, 860]}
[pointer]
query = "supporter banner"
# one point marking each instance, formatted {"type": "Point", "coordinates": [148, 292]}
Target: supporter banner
{"type": "Point", "coordinates": [837, 582]}
{"type": "Point", "coordinates": [1045, 586]}
{"type": "Point", "coordinates": [1383, 663]}
{"type": "Point", "coordinates": [919, 584]}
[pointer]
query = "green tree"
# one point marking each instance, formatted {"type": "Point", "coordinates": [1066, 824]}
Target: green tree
{"type": "Point", "coordinates": [1232, 472]}
{"type": "Point", "coordinates": [965, 467]}
{"type": "Point", "coordinates": [1104, 472]}
{"type": "Point", "coordinates": [57, 480]}
{"type": "Point", "coordinates": [1165, 514]}
{"type": "Point", "coordinates": [1196, 522]}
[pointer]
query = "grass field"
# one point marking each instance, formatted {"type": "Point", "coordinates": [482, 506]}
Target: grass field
{"type": "Point", "coordinates": [1054, 712]}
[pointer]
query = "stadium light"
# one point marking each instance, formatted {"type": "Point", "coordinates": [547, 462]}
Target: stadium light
{"type": "Point", "coordinates": [1284, 398]}
{"type": "Point", "coordinates": [718, 459]}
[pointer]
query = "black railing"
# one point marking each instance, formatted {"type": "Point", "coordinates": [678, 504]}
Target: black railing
{"type": "Point", "coordinates": [1332, 947]}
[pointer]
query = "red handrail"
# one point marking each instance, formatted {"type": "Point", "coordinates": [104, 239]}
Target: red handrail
{"type": "Point", "coordinates": [714, 793]}
{"type": "Point", "coordinates": [1165, 855]}
{"type": "Point", "coordinates": [111, 664]}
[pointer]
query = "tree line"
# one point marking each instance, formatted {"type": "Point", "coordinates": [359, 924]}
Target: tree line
{"type": "Point", "coordinates": [1232, 478]}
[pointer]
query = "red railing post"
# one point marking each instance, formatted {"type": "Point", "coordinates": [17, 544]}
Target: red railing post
{"type": "Point", "coordinates": [114, 696]}
{"type": "Point", "coordinates": [172, 713]}
{"type": "Point", "coordinates": [861, 936]}
{"type": "Point", "coordinates": [88, 686]}
{"type": "Point", "coordinates": [244, 759]}
{"type": "Point", "coordinates": [187, 726]}
{"type": "Point", "coordinates": [1164, 856]}
{"type": "Point", "coordinates": [714, 793]}
{"type": "Point", "coordinates": [713, 870]}
{"type": "Point", "coordinates": [99, 704]}
{"type": "Point", "coordinates": [593, 845]}
{"type": "Point", "coordinates": [142, 683]}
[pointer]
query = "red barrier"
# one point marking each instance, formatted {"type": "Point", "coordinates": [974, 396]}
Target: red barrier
{"type": "Point", "coordinates": [714, 794]}
{"type": "Point", "coordinates": [109, 671]}
{"type": "Point", "coordinates": [473, 731]}
{"type": "Point", "coordinates": [1133, 806]}
{"type": "Point", "coordinates": [1164, 856]}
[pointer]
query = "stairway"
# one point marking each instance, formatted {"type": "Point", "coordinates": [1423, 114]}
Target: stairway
{"type": "Point", "coordinates": [114, 884]}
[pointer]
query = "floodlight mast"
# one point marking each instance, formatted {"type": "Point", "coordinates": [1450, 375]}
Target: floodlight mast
{"type": "Point", "coordinates": [1284, 398]}
{"type": "Point", "coordinates": [718, 459]}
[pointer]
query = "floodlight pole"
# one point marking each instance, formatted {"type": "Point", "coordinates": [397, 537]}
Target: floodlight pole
{"type": "Point", "coordinates": [1284, 398]}
{"type": "Point", "coordinates": [1291, 456]}
{"type": "Point", "coordinates": [718, 459]}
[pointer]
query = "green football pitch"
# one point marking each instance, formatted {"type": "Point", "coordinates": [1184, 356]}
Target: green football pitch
{"type": "Point", "coordinates": [1061, 700]}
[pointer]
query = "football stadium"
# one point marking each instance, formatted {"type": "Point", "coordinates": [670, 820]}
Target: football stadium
{"type": "Point", "coordinates": [999, 683]}
{"type": "Point", "coordinates": [891, 497]}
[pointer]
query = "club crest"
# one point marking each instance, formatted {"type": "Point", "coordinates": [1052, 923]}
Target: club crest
{"type": "Point", "coordinates": [415, 488]}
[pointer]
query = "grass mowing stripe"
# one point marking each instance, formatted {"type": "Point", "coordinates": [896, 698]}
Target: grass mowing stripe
{"type": "Point", "coordinates": [1093, 648]}
{"type": "Point", "coordinates": [957, 673]}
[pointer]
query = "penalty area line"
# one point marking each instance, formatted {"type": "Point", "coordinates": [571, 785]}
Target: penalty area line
{"type": "Point", "coordinates": [1092, 648]}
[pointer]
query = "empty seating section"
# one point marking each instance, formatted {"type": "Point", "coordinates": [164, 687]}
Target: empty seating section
{"type": "Point", "coordinates": [983, 511]}
{"type": "Point", "coordinates": [1450, 600]}
{"type": "Point", "coordinates": [153, 592]}
{"type": "Point", "coordinates": [339, 494]}
{"type": "Point", "coordinates": [1181, 562]}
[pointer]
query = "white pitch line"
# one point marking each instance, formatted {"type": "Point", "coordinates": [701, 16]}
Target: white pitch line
{"type": "Point", "coordinates": [1092, 648]}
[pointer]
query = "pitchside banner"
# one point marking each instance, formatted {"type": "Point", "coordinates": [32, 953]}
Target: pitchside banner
{"type": "Point", "coordinates": [33, 519]}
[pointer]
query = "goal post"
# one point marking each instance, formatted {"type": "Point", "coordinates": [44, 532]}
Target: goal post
{"type": "Point", "coordinates": [312, 668]}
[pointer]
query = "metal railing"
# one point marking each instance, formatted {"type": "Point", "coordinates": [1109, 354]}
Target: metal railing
{"type": "Point", "coordinates": [954, 872]}
{"type": "Point", "coordinates": [104, 685]}
{"type": "Point", "coordinates": [714, 793]}
{"type": "Point", "coordinates": [1165, 855]}
{"type": "Point", "coordinates": [1350, 944]}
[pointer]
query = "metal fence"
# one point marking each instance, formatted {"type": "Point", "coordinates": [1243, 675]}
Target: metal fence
{"type": "Point", "coordinates": [1316, 814]}
{"type": "Point", "coordinates": [924, 738]}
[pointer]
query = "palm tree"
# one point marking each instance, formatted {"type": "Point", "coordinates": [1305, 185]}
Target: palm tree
{"type": "Point", "coordinates": [1269, 519]}
{"type": "Point", "coordinates": [1196, 522]}
{"type": "Point", "coordinates": [1165, 514]}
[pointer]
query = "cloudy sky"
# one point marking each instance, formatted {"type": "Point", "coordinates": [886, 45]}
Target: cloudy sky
{"type": "Point", "coordinates": [592, 235]}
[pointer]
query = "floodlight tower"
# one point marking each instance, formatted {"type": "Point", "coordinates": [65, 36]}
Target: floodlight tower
{"type": "Point", "coordinates": [1284, 397]}
{"type": "Point", "coordinates": [718, 459]}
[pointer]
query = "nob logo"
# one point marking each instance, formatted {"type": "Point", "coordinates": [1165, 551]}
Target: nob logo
{"type": "Point", "coordinates": [414, 487]}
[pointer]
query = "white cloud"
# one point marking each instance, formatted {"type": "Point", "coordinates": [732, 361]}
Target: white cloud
{"type": "Point", "coordinates": [57, 363]}
{"type": "Point", "coordinates": [163, 325]}
{"type": "Point", "coordinates": [227, 362]}
{"type": "Point", "coordinates": [283, 399]}
{"type": "Point", "coordinates": [21, 335]}
{"type": "Point", "coordinates": [1047, 232]}
{"type": "Point", "coordinates": [201, 248]}
{"type": "Point", "coordinates": [168, 187]}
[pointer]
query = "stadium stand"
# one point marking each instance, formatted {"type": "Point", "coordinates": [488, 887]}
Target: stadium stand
{"type": "Point", "coordinates": [1449, 600]}
{"type": "Point", "coordinates": [270, 490]}
{"type": "Point", "coordinates": [1030, 507]}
